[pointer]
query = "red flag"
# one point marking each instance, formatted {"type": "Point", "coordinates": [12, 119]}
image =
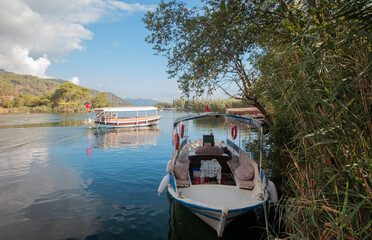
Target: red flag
{"type": "Point", "coordinates": [88, 105]}
{"type": "Point", "coordinates": [208, 108]}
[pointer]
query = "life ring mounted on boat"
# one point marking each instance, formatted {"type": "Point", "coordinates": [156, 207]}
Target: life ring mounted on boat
{"type": "Point", "coordinates": [234, 131]}
{"type": "Point", "coordinates": [114, 115]}
{"type": "Point", "coordinates": [176, 141]}
{"type": "Point", "coordinates": [98, 115]}
{"type": "Point", "coordinates": [182, 130]}
{"type": "Point", "coordinates": [108, 115]}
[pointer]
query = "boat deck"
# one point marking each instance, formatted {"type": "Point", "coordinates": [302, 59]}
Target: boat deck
{"type": "Point", "coordinates": [227, 177]}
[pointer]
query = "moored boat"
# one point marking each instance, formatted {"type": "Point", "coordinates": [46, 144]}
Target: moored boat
{"type": "Point", "coordinates": [124, 117]}
{"type": "Point", "coordinates": [217, 180]}
{"type": "Point", "coordinates": [249, 112]}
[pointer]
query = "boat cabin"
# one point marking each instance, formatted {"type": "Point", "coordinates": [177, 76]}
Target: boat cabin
{"type": "Point", "coordinates": [125, 117]}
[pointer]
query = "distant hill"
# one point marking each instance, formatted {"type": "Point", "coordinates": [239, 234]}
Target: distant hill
{"type": "Point", "coordinates": [12, 84]}
{"type": "Point", "coordinates": [113, 100]}
{"type": "Point", "coordinates": [142, 102]}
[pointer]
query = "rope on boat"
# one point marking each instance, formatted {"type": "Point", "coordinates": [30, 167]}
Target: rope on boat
{"type": "Point", "coordinates": [266, 221]}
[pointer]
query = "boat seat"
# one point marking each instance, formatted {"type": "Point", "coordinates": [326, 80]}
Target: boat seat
{"type": "Point", "coordinates": [243, 184]}
{"type": "Point", "coordinates": [181, 173]}
{"type": "Point", "coordinates": [182, 183]}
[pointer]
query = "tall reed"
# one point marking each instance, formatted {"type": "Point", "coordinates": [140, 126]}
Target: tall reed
{"type": "Point", "coordinates": [322, 96]}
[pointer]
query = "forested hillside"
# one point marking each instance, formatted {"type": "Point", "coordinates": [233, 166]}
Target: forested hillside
{"type": "Point", "coordinates": [17, 91]}
{"type": "Point", "coordinates": [12, 84]}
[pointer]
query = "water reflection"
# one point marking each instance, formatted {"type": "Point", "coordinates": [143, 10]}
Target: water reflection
{"type": "Point", "coordinates": [116, 137]}
{"type": "Point", "coordinates": [39, 187]}
{"type": "Point", "coordinates": [8, 121]}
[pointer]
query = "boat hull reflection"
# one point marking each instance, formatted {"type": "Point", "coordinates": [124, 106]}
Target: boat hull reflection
{"type": "Point", "coordinates": [116, 137]}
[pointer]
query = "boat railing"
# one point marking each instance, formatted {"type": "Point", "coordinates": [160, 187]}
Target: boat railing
{"type": "Point", "coordinates": [233, 145]}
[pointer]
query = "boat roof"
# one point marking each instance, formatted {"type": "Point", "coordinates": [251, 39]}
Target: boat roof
{"type": "Point", "coordinates": [125, 109]}
{"type": "Point", "coordinates": [242, 110]}
{"type": "Point", "coordinates": [240, 119]}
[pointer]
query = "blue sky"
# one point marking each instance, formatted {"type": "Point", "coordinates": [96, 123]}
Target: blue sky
{"type": "Point", "coordinates": [117, 59]}
{"type": "Point", "coordinates": [98, 44]}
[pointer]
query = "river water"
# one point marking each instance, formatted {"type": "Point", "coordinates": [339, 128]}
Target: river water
{"type": "Point", "coordinates": [61, 180]}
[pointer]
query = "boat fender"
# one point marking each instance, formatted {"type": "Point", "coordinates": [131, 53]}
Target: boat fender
{"type": "Point", "coordinates": [182, 131]}
{"type": "Point", "coordinates": [176, 141]}
{"type": "Point", "coordinates": [163, 184]}
{"type": "Point", "coordinates": [272, 191]}
{"type": "Point", "coordinates": [169, 166]}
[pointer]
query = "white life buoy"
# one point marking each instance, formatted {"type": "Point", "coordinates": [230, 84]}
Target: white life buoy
{"type": "Point", "coordinates": [168, 166]}
{"type": "Point", "coordinates": [163, 184]}
{"type": "Point", "coordinates": [273, 194]}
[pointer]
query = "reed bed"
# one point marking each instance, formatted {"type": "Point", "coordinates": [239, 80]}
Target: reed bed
{"type": "Point", "coordinates": [322, 96]}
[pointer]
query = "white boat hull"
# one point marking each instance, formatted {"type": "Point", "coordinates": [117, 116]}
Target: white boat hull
{"type": "Point", "coordinates": [216, 216]}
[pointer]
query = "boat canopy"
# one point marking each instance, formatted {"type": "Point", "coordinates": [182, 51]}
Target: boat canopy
{"type": "Point", "coordinates": [243, 111]}
{"type": "Point", "coordinates": [240, 119]}
{"type": "Point", "coordinates": [125, 109]}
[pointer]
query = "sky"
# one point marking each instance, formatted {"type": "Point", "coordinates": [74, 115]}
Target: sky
{"type": "Point", "coordinates": [99, 44]}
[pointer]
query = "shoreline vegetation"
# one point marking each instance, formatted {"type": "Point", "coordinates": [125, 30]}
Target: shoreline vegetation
{"type": "Point", "coordinates": [215, 105]}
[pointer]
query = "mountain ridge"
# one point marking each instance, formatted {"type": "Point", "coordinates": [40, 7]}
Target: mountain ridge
{"type": "Point", "coordinates": [142, 102]}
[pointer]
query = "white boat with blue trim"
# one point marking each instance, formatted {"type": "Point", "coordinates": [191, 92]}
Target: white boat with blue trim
{"type": "Point", "coordinates": [216, 180]}
{"type": "Point", "coordinates": [124, 117]}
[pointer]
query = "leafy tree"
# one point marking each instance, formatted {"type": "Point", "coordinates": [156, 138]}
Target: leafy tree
{"type": "Point", "coordinates": [6, 103]}
{"type": "Point", "coordinates": [179, 103]}
{"type": "Point", "coordinates": [101, 100]}
{"type": "Point", "coordinates": [209, 47]}
{"type": "Point", "coordinates": [18, 102]}
{"type": "Point", "coordinates": [70, 93]}
{"type": "Point", "coordinates": [28, 100]}
{"type": "Point", "coordinates": [164, 105]}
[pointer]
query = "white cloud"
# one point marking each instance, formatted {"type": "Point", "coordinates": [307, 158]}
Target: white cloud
{"type": "Point", "coordinates": [36, 33]}
{"type": "Point", "coordinates": [131, 7]}
{"type": "Point", "coordinates": [74, 80]}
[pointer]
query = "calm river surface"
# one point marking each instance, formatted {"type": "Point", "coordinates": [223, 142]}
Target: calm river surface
{"type": "Point", "coordinates": [61, 180]}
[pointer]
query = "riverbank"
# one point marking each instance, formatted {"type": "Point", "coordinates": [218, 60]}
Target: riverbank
{"type": "Point", "coordinates": [42, 109]}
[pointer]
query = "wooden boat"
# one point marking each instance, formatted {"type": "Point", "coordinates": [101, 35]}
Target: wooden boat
{"type": "Point", "coordinates": [216, 180]}
{"type": "Point", "coordinates": [249, 112]}
{"type": "Point", "coordinates": [124, 117]}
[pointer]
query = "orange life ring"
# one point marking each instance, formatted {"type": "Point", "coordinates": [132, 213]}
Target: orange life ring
{"type": "Point", "coordinates": [108, 115]}
{"type": "Point", "coordinates": [182, 131]}
{"type": "Point", "coordinates": [234, 131]}
{"type": "Point", "coordinates": [114, 115]}
{"type": "Point", "coordinates": [176, 141]}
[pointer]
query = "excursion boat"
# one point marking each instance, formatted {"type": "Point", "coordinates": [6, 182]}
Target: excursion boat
{"type": "Point", "coordinates": [124, 117]}
{"type": "Point", "coordinates": [249, 112]}
{"type": "Point", "coordinates": [217, 180]}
